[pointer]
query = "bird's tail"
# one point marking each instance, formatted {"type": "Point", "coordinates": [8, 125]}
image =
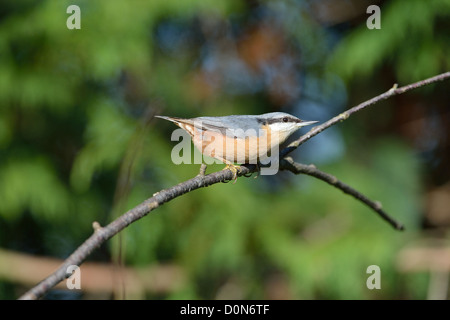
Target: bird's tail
{"type": "Point", "coordinates": [185, 124]}
{"type": "Point", "coordinates": [173, 119]}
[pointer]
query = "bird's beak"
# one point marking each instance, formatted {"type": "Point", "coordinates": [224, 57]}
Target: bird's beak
{"type": "Point", "coordinates": [306, 123]}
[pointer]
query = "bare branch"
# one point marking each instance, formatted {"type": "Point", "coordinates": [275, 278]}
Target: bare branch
{"type": "Point", "coordinates": [102, 234]}
{"type": "Point", "coordinates": [298, 168]}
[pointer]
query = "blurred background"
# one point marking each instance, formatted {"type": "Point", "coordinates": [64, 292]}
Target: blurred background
{"type": "Point", "coordinates": [78, 144]}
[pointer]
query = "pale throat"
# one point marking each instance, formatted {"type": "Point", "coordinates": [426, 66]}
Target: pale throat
{"type": "Point", "coordinates": [283, 130]}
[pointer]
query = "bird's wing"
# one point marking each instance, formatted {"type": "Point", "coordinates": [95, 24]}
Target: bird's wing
{"type": "Point", "coordinates": [232, 126]}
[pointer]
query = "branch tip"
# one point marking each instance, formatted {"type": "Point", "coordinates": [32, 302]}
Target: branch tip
{"type": "Point", "coordinates": [378, 205]}
{"type": "Point", "coordinates": [344, 116]}
{"type": "Point", "coordinates": [202, 170]}
{"type": "Point", "coordinates": [394, 87]}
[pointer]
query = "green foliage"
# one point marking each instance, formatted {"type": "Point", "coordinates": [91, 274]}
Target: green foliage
{"type": "Point", "coordinates": [32, 184]}
{"type": "Point", "coordinates": [101, 151]}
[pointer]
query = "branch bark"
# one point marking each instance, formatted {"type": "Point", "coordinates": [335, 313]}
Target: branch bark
{"type": "Point", "coordinates": [102, 234]}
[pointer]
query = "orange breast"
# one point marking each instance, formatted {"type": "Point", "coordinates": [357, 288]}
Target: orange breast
{"type": "Point", "coordinates": [233, 149]}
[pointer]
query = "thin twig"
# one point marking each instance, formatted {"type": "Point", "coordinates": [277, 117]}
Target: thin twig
{"type": "Point", "coordinates": [298, 168]}
{"type": "Point", "coordinates": [202, 170]}
{"type": "Point", "coordinates": [102, 234]}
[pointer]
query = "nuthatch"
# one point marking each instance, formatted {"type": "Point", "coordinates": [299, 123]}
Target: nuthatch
{"type": "Point", "coordinates": [240, 138]}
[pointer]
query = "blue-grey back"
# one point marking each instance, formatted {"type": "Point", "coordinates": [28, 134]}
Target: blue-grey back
{"type": "Point", "coordinates": [236, 125]}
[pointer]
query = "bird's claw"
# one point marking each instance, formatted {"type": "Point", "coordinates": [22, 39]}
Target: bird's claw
{"type": "Point", "coordinates": [234, 169]}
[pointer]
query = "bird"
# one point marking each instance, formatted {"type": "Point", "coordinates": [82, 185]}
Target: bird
{"type": "Point", "coordinates": [243, 139]}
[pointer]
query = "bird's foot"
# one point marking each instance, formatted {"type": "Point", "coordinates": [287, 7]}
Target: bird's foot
{"type": "Point", "coordinates": [234, 169]}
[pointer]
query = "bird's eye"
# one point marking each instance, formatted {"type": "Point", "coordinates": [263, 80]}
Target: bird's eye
{"type": "Point", "coordinates": [285, 119]}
